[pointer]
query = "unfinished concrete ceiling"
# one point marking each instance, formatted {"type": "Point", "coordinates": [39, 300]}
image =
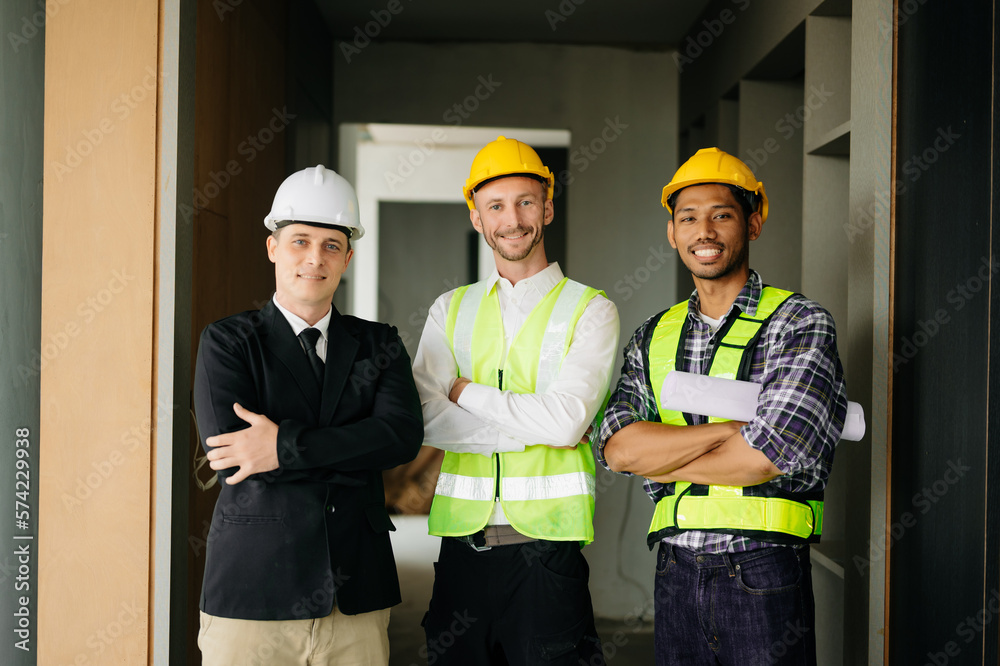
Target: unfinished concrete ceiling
{"type": "Point", "coordinates": [630, 23]}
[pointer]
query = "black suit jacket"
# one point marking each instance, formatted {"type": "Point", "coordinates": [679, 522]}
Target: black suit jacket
{"type": "Point", "coordinates": [283, 544]}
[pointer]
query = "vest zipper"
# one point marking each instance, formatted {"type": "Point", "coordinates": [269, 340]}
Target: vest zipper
{"type": "Point", "coordinates": [496, 490]}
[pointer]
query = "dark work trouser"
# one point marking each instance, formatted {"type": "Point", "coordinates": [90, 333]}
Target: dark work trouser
{"type": "Point", "coordinates": [520, 604]}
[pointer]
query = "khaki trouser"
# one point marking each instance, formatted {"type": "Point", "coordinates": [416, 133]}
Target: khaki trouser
{"type": "Point", "coordinates": [334, 640]}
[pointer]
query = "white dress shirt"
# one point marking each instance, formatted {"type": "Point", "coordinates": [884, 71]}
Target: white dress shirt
{"type": "Point", "coordinates": [487, 420]}
{"type": "Point", "coordinates": [299, 324]}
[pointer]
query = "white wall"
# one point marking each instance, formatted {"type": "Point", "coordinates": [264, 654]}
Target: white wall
{"type": "Point", "coordinates": [621, 109]}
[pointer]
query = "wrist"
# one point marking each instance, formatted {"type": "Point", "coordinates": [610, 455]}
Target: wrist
{"type": "Point", "coordinates": [456, 388]}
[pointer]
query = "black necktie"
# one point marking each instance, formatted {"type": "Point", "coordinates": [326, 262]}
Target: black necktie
{"type": "Point", "coordinates": [309, 338]}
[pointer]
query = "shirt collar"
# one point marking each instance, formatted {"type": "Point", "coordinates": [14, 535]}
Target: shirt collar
{"type": "Point", "coordinates": [543, 281]}
{"type": "Point", "coordinates": [299, 324]}
{"type": "Point", "coordinates": [747, 300]}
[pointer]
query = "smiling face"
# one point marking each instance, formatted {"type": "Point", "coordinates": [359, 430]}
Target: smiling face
{"type": "Point", "coordinates": [710, 234]}
{"type": "Point", "coordinates": [308, 263]}
{"type": "Point", "coordinates": [511, 214]}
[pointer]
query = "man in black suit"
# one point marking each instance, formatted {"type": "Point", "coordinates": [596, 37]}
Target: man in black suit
{"type": "Point", "coordinates": [300, 408]}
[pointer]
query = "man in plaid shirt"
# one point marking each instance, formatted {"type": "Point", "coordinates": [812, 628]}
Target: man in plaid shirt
{"type": "Point", "coordinates": [737, 503]}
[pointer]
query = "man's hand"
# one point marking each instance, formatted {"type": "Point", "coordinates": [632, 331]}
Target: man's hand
{"type": "Point", "coordinates": [253, 450]}
{"type": "Point", "coordinates": [457, 388]}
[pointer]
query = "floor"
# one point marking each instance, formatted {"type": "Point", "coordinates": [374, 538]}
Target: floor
{"type": "Point", "coordinates": [416, 552]}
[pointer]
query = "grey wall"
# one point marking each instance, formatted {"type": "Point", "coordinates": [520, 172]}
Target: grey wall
{"type": "Point", "coordinates": [621, 107]}
{"type": "Point", "coordinates": [420, 243]}
{"type": "Point", "coordinates": [22, 69]}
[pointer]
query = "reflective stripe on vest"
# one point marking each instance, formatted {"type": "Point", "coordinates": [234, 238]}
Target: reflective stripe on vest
{"type": "Point", "coordinates": [762, 512]}
{"type": "Point", "coordinates": [521, 488]}
{"type": "Point", "coordinates": [546, 493]}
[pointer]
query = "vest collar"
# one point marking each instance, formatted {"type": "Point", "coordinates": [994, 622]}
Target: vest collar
{"type": "Point", "coordinates": [543, 281]}
{"type": "Point", "coordinates": [747, 301]}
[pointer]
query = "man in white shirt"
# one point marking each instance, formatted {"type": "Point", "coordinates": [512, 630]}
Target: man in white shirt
{"type": "Point", "coordinates": [511, 371]}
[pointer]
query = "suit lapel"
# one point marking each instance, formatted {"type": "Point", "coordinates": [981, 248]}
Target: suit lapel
{"type": "Point", "coordinates": [281, 341]}
{"type": "Point", "coordinates": [341, 349]}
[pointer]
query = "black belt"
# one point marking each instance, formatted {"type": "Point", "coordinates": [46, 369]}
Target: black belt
{"type": "Point", "coordinates": [495, 535]}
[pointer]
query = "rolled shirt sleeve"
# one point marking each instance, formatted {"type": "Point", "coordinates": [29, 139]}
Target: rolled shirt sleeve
{"type": "Point", "coordinates": [803, 401]}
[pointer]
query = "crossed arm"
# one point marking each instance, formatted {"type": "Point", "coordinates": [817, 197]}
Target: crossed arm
{"type": "Point", "coordinates": [466, 417]}
{"type": "Point", "coordinates": [244, 440]}
{"type": "Point", "coordinates": [799, 415]}
{"type": "Point", "coordinates": [714, 453]}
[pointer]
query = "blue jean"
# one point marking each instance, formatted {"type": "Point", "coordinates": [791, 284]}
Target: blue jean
{"type": "Point", "coordinates": [742, 609]}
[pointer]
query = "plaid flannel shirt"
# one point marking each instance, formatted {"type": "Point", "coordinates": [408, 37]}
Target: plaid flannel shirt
{"type": "Point", "coordinates": [800, 412]}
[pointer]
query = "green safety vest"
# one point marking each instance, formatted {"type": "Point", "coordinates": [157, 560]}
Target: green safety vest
{"type": "Point", "coordinates": [762, 512]}
{"type": "Point", "coordinates": [546, 493]}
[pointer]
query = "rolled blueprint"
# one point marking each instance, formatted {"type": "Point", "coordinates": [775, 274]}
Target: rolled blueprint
{"type": "Point", "coordinates": [734, 400]}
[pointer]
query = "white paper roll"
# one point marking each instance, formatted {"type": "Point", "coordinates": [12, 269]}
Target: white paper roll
{"type": "Point", "coordinates": [734, 400]}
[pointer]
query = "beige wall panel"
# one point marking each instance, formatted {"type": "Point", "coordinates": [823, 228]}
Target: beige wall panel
{"type": "Point", "coordinates": [97, 281]}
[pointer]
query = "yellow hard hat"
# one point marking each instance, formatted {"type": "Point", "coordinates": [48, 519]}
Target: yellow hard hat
{"type": "Point", "coordinates": [711, 165]}
{"type": "Point", "coordinates": [505, 157]}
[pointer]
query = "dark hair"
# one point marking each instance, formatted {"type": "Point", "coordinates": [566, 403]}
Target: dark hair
{"type": "Point", "coordinates": [749, 201]}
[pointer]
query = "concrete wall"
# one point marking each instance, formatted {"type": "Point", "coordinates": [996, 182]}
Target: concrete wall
{"type": "Point", "coordinates": [22, 63]}
{"type": "Point", "coordinates": [424, 235]}
{"type": "Point", "coordinates": [833, 172]}
{"type": "Point", "coordinates": [620, 107]}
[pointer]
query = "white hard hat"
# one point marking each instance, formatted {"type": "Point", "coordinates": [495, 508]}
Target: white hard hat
{"type": "Point", "coordinates": [317, 196]}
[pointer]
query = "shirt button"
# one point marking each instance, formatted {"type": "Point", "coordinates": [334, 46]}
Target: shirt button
{"type": "Point", "coordinates": [330, 508]}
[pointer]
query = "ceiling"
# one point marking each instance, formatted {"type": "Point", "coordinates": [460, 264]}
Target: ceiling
{"type": "Point", "coordinates": [641, 24]}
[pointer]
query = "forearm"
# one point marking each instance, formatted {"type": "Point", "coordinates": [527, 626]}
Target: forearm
{"type": "Point", "coordinates": [733, 463]}
{"type": "Point", "coordinates": [369, 444]}
{"type": "Point", "coordinates": [450, 428]}
{"type": "Point", "coordinates": [651, 449]}
{"type": "Point", "coordinates": [386, 433]}
{"type": "Point", "coordinates": [559, 413]}
{"type": "Point", "coordinates": [537, 418]}
{"type": "Point", "coordinates": [446, 425]}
